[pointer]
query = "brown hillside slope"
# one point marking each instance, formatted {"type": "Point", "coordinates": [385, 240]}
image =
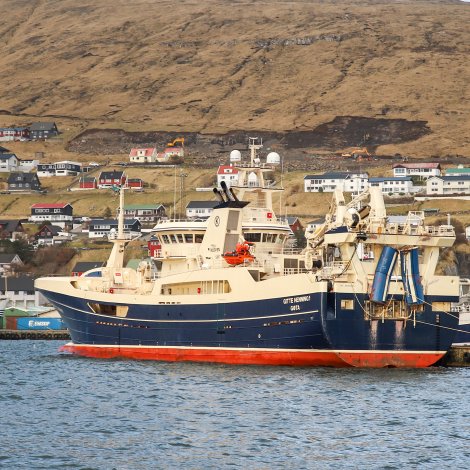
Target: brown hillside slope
{"type": "Point", "coordinates": [220, 65]}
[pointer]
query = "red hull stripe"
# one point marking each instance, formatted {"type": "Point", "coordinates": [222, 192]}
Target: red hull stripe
{"type": "Point", "coordinates": [391, 359]}
{"type": "Point", "coordinates": [319, 358]}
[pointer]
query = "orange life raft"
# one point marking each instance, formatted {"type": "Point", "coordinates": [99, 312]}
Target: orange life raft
{"type": "Point", "coordinates": [240, 255]}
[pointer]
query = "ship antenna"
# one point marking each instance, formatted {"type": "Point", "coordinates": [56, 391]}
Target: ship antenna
{"type": "Point", "coordinates": [174, 196]}
{"type": "Point", "coordinates": [121, 213]}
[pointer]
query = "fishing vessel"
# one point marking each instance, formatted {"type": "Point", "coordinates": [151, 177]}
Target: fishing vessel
{"type": "Point", "coordinates": [363, 293]}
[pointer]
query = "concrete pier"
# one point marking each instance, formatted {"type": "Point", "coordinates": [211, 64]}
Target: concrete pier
{"type": "Point", "coordinates": [457, 356]}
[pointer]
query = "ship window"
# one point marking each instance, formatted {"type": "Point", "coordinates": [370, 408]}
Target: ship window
{"type": "Point", "coordinates": [165, 239]}
{"type": "Point", "coordinates": [440, 306]}
{"type": "Point", "coordinates": [253, 237]}
{"type": "Point", "coordinates": [179, 236]}
{"type": "Point", "coordinates": [173, 238]}
{"type": "Point", "coordinates": [347, 304]}
{"type": "Point", "coordinates": [198, 237]}
{"type": "Point", "coordinates": [105, 309]}
{"type": "Point", "coordinates": [189, 238]}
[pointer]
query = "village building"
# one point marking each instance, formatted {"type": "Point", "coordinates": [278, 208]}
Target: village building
{"type": "Point", "coordinates": [11, 230]}
{"type": "Point", "coordinates": [9, 162]}
{"type": "Point", "coordinates": [87, 182]}
{"type": "Point", "coordinates": [136, 184]}
{"type": "Point", "coordinates": [64, 168]}
{"type": "Point", "coordinates": [154, 247]}
{"type": "Point", "coordinates": [396, 186]}
{"type": "Point", "coordinates": [13, 133]}
{"type": "Point", "coordinates": [459, 171]}
{"type": "Point", "coordinates": [19, 291]}
{"type": "Point", "coordinates": [8, 262]}
{"type": "Point", "coordinates": [200, 209]}
{"type": "Point", "coordinates": [145, 213]}
{"type": "Point", "coordinates": [45, 170]}
{"type": "Point", "coordinates": [102, 228]}
{"type": "Point", "coordinates": [47, 234]}
{"type": "Point", "coordinates": [143, 155]}
{"type": "Point", "coordinates": [328, 182]}
{"type": "Point", "coordinates": [43, 130]}
{"type": "Point", "coordinates": [441, 185]}
{"type": "Point", "coordinates": [227, 173]}
{"type": "Point", "coordinates": [27, 165]}
{"type": "Point", "coordinates": [108, 179]}
{"type": "Point", "coordinates": [60, 213]}
{"type": "Point", "coordinates": [24, 182]}
{"type": "Point", "coordinates": [313, 225]}
{"type": "Point", "coordinates": [421, 170]}
{"type": "Point", "coordinates": [84, 266]}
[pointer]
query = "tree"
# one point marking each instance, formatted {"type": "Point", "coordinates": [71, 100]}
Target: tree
{"type": "Point", "coordinates": [107, 214]}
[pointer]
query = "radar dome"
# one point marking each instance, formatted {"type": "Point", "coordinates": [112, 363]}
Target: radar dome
{"type": "Point", "coordinates": [235, 156]}
{"type": "Point", "coordinates": [273, 158]}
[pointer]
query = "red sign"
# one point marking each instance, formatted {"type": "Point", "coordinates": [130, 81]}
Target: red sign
{"type": "Point", "coordinates": [269, 215]}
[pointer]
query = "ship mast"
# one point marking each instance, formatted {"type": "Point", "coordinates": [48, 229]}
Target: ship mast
{"type": "Point", "coordinates": [116, 257]}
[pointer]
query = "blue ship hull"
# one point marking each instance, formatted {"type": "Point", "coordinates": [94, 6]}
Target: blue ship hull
{"type": "Point", "coordinates": [317, 331]}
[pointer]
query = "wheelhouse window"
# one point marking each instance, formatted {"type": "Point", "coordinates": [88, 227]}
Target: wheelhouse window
{"type": "Point", "coordinates": [252, 237]}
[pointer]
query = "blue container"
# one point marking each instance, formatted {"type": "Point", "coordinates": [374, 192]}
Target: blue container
{"type": "Point", "coordinates": [40, 323]}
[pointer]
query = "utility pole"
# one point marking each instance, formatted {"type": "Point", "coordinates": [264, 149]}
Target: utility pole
{"type": "Point", "coordinates": [182, 177]}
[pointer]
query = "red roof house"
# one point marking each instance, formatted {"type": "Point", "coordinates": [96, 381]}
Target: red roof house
{"type": "Point", "coordinates": [143, 155]}
{"type": "Point", "coordinates": [227, 173]}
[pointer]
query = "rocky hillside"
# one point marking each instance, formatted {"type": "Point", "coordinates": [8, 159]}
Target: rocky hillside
{"type": "Point", "coordinates": [214, 66]}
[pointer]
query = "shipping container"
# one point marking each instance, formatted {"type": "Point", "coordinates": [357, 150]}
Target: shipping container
{"type": "Point", "coordinates": [10, 323]}
{"type": "Point", "coordinates": [39, 323]}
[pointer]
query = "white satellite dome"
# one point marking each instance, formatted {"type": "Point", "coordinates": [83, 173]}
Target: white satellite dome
{"type": "Point", "coordinates": [273, 158]}
{"type": "Point", "coordinates": [235, 156]}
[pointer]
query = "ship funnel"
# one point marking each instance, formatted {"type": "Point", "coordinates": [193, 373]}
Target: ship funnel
{"type": "Point", "coordinates": [235, 198]}
{"type": "Point", "coordinates": [228, 193]}
{"type": "Point", "coordinates": [219, 195]}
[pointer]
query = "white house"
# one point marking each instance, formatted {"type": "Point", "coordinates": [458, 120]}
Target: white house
{"type": "Point", "coordinates": [20, 291]}
{"type": "Point", "coordinates": [27, 165]}
{"type": "Point", "coordinates": [313, 225]}
{"type": "Point", "coordinates": [143, 155]}
{"type": "Point", "coordinates": [8, 262]}
{"type": "Point", "coordinates": [393, 185]}
{"type": "Point", "coordinates": [422, 170]}
{"type": "Point", "coordinates": [448, 185]}
{"type": "Point", "coordinates": [200, 209]}
{"type": "Point", "coordinates": [9, 162]}
{"type": "Point", "coordinates": [227, 173]}
{"type": "Point", "coordinates": [328, 182]}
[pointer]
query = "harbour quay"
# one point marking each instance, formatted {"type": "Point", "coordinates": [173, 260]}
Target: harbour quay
{"type": "Point", "coordinates": [34, 334]}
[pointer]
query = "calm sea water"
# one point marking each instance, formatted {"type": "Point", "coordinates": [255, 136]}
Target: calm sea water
{"type": "Point", "coordinates": [59, 411]}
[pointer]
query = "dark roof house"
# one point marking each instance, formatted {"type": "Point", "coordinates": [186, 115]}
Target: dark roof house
{"type": "Point", "coordinates": [24, 182]}
{"type": "Point", "coordinates": [43, 130]}
{"type": "Point", "coordinates": [84, 266]}
{"type": "Point", "coordinates": [10, 227]}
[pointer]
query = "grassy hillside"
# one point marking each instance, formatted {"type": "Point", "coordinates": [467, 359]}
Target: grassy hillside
{"type": "Point", "coordinates": [219, 65]}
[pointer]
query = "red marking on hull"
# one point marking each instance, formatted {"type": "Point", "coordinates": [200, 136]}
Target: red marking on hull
{"type": "Point", "coordinates": [281, 357]}
{"type": "Point", "coordinates": [226, 356]}
{"type": "Point", "coordinates": [390, 359]}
